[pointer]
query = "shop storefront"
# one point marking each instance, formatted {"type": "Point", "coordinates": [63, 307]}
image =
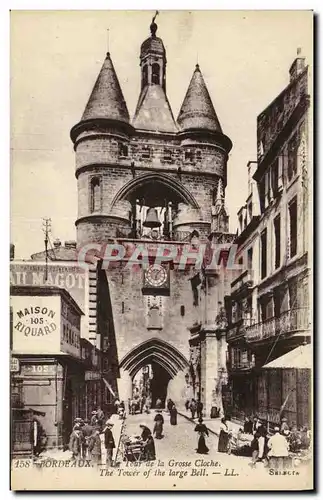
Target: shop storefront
{"type": "Point", "coordinates": [47, 376]}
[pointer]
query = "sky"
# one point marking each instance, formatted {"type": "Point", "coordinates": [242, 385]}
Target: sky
{"type": "Point", "coordinates": [56, 56]}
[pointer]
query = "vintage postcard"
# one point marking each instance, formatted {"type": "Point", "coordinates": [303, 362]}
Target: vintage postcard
{"type": "Point", "coordinates": [161, 244]}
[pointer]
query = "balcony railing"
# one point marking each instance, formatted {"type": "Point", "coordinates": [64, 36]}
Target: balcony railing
{"type": "Point", "coordinates": [293, 320]}
{"type": "Point", "coordinates": [242, 365]}
{"type": "Point", "coordinates": [238, 329]}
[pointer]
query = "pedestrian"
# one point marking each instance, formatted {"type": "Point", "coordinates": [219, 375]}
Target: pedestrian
{"type": "Point", "coordinates": [247, 427]}
{"type": "Point", "coordinates": [158, 427]}
{"type": "Point", "coordinates": [143, 404]}
{"type": "Point", "coordinates": [187, 404]}
{"type": "Point", "coordinates": [193, 408]}
{"type": "Point", "coordinates": [94, 447]}
{"type": "Point", "coordinates": [116, 405]}
{"type": "Point", "coordinates": [159, 404]}
{"type": "Point", "coordinates": [94, 418]}
{"type": "Point", "coordinates": [256, 424]}
{"type": "Point", "coordinates": [109, 442]}
{"type": "Point", "coordinates": [76, 442]}
{"type": "Point", "coordinates": [202, 430]}
{"type": "Point", "coordinates": [173, 415]}
{"type": "Point", "coordinates": [147, 443]}
{"type": "Point", "coordinates": [169, 405]}
{"type": "Point", "coordinates": [223, 436]}
{"type": "Point", "coordinates": [38, 437]}
{"type": "Point", "coordinates": [87, 431]}
{"type": "Point", "coordinates": [262, 444]}
{"type": "Point", "coordinates": [100, 416]}
{"type": "Point", "coordinates": [254, 445]}
{"type": "Point", "coordinates": [278, 449]}
{"type": "Point", "coordinates": [199, 409]}
{"type": "Point", "coordinates": [284, 425]}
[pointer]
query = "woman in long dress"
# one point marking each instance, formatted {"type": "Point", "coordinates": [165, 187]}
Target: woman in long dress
{"type": "Point", "coordinates": [158, 428]}
{"type": "Point", "coordinates": [148, 443]}
{"type": "Point", "coordinates": [223, 437]}
{"type": "Point", "coordinates": [173, 415]}
{"type": "Point", "coordinates": [202, 430]}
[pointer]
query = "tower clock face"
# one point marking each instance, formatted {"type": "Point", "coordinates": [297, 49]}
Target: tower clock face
{"type": "Point", "coordinates": [156, 275]}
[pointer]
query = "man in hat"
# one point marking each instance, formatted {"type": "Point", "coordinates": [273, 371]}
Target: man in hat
{"type": "Point", "coordinates": [76, 441]}
{"type": "Point", "coordinates": [109, 442]}
{"type": "Point", "coordinates": [94, 418]}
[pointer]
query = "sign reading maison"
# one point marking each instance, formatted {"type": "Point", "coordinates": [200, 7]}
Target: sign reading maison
{"type": "Point", "coordinates": [72, 278]}
{"type": "Point", "coordinates": [36, 324]}
{"type": "Point", "coordinates": [34, 321]}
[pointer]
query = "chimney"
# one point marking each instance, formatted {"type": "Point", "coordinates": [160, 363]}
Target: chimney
{"type": "Point", "coordinates": [57, 243]}
{"type": "Point", "coordinates": [12, 251]}
{"type": "Point", "coordinates": [297, 67]}
{"type": "Point", "coordinates": [70, 244]}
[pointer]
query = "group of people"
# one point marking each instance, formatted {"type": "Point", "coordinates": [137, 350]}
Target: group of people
{"type": "Point", "coordinates": [159, 419]}
{"type": "Point", "coordinates": [120, 408]}
{"type": "Point", "coordinates": [142, 404]}
{"type": "Point", "coordinates": [275, 450]}
{"type": "Point", "coordinates": [85, 439]}
{"type": "Point", "coordinates": [195, 407]}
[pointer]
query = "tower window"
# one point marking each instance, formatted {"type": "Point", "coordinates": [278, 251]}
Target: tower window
{"type": "Point", "coordinates": [95, 194]}
{"type": "Point", "coordinates": [189, 156]}
{"type": "Point", "coordinates": [167, 155]}
{"type": "Point", "coordinates": [155, 73]}
{"type": "Point", "coordinates": [123, 149]}
{"type": "Point", "coordinates": [182, 310]}
{"type": "Point", "coordinates": [145, 76]}
{"type": "Point", "coordinates": [145, 155]}
{"type": "Point", "coordinates": [198, 155]}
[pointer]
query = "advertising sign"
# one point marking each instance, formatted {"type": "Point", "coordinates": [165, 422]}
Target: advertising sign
{"type": "Point", "coordinates": [72, 278]}
{"type": "Point", "coordinates": [36, 324]}
{"type": "Point", "coordinates": [14, 365]}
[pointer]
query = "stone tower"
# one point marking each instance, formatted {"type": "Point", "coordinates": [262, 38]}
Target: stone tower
{"type": "Point", "coordinates": [150, 181]}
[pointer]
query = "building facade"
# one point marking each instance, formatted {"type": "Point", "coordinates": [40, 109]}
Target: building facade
{"type": "Point", "coordinates": [48, 377]}
{"type": "Point", "coordinates": [141, 183]}
{"type": "Point", "coordinates": [268, 307]}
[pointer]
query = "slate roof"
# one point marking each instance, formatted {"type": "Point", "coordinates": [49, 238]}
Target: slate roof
{"type": "Point", "coordinates": [106, 99]}
{"type": "Point", "coordinates": [152, 45]}
{"type": "Point", "coordinates": [153, 111]}
{"type": "Point", "coordinates": [197, 111]}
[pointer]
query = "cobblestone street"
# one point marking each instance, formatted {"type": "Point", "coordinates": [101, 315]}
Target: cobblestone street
{"type": "Point", "coordinates": [180, 442]}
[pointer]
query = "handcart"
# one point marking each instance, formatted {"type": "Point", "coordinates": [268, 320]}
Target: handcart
{"type": "Point", "coordinates": [134, 450]}
{"type": "Point", "coordinates": [239, 444]}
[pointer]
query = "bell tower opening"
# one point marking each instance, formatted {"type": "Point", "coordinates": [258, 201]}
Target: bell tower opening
{"type": "Point", "coordinates": [156, 74]}
{"type": "Point", "coordinates": [153, 60]}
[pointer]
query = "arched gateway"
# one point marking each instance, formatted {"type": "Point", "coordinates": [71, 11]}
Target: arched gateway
{"type": "Point", "coordinates": [169, 368]}
{"type": "Point", "coordinates": [147, 182]}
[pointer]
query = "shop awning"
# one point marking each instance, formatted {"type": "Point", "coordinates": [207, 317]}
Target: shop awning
{"type": "Point", "coordinates": [109, 387]}
{"type": "Point", "coordinates": [301, 358]}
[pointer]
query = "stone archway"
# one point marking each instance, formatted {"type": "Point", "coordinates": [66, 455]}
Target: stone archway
{"type": "Point", "coordinates": [170, 370]}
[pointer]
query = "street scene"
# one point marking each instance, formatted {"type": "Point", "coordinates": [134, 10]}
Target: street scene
{"type": "Point", "coordinates": [161, 312]}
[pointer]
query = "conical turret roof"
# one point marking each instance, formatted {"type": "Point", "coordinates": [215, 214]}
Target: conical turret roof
{"type": "Point", "coordinates": [106, 99]}
{"type": "Point", "coordinates": [197, 111]}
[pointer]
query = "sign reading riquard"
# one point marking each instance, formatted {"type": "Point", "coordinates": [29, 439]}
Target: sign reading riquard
{"type": "Point", "coordinates": [36, 324]}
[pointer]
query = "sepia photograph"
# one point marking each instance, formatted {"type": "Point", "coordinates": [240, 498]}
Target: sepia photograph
{"type": "Point", "coordinates": [161, 249]}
